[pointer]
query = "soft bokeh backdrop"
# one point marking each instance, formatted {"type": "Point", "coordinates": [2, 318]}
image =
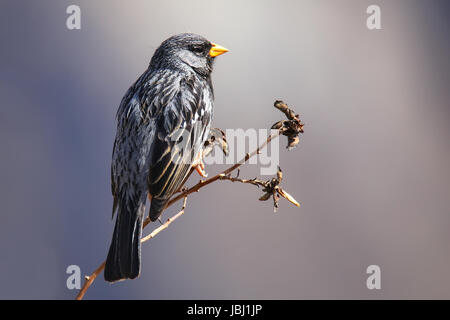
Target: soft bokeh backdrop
{"type": "Point", "coordinates": [372, 170]}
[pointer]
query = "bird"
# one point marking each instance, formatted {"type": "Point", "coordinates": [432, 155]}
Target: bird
{"type": "Point", "coordinates": [163, 122]}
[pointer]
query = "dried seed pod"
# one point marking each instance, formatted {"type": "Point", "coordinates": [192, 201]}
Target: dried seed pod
{"type": "Point", "coordinates": [265, 197]}
{"type": "Point", "coordinates": [292, 142]}
{"type": "Point", "coordinates": [288, 197]}
{"type": "Point", "coordinates": [291, 127]}
{"type": "Point", "coordinates": [277, 125]}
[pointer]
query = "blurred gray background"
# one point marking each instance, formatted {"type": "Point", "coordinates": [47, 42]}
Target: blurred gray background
{"type": "Point", "coordinates": [371, 171]}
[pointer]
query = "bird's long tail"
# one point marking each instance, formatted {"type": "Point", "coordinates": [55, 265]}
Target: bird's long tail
{"type": "Point", "coordinates": [124, 256]}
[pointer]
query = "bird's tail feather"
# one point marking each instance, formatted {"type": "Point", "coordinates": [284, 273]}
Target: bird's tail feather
{"type": "Point", "coordinates": [124, 256]}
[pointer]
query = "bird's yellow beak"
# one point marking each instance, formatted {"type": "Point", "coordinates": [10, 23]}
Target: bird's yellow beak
{"type": "Point", "coordinates": [217, 50]}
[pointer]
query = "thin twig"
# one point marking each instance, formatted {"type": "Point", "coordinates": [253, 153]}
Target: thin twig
{"type": "Point", "coordinates": [254, 182]}
{"type": "Point", "coordinates": [166, 224]}
{"type": "Point", "coordinates": [89, 280]}
{"type": "Point", "coordinates": [183, 194]}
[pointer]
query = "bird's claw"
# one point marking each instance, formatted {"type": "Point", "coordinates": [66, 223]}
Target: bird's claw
{"type": "Point", "coordinates": [201, 169]}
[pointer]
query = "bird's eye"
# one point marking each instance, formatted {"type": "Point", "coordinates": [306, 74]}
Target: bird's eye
{"type": "Point", "coordinates": [198, 49]}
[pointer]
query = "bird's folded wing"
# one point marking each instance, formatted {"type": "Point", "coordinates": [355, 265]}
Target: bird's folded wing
{"type": "Point", "coordinates": [180, 133]}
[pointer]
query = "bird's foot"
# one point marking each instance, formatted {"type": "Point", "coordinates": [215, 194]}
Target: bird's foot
{"type": "Point", "coordinates": [201, 169]}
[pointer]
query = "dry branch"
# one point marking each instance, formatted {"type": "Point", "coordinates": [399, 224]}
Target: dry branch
{"type": "Point", "coordinates": [290, 128]}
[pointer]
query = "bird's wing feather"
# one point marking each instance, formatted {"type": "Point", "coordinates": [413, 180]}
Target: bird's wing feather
{"type": "Point", "coordinates": [130, 152]}
{"type": "Point", "coordinates": [181, 129]}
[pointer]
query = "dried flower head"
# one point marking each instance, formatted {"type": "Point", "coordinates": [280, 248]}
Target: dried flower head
{"type": "Point", "coordinates": [291, 127]}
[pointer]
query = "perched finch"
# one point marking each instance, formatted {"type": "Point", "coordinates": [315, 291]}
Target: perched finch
{"type": "Point", "coordinates": [163, 122]}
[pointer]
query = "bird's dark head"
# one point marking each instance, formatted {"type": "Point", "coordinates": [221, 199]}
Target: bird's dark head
{"type": "Point", "coordinates": [187, 51]}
